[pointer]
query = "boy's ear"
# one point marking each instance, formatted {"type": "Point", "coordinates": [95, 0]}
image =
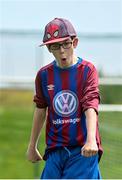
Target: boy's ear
{"type": "Point", "coordinates": [75, 42]}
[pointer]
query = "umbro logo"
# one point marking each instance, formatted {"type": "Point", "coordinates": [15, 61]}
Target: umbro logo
{"type": "Point", "coordinates": [50, 87]}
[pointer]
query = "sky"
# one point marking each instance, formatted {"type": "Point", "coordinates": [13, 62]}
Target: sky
{"type": "Point", "coordinates": [86, 15]}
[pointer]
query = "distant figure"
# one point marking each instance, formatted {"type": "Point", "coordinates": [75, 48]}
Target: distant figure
{"type": "Point", "coordinates": [67, 89]}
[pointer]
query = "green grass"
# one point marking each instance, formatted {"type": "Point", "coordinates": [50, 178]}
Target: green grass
{"type": "Point", "coordinates": [16, 113]}
{"type": "Point", "coordinates": [111, 134]}
{"type": "Point", "coordinates": [111, 94]}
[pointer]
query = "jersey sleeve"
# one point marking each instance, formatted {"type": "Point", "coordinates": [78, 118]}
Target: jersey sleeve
{"type": "Point", "coordinates": [39, 98]}
{"type": "Point", "coordinates": [91, 97]}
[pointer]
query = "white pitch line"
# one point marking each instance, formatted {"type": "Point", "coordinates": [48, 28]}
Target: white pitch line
{"type": "Point", "coordinates": [110, 107]}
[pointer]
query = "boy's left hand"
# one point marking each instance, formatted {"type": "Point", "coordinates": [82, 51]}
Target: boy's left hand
{"type": "Point", "coordinates": [89, 149]}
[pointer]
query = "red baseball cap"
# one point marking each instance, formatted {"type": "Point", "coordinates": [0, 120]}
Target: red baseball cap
{"type": "Point", "coordinates": [57, 30]}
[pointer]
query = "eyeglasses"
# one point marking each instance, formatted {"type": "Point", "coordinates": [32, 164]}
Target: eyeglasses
{"type": "Point", "coordinates": [56, 46]}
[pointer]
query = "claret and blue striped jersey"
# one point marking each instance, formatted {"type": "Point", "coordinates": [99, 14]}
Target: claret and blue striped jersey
{"type": "Point", "coordinates": [67, 93]}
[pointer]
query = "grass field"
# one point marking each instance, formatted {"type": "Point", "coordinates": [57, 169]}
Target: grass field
{"type": "Point", "coordinates": [16, 112]}
{"type": "Point", "coordinates": [111, 94]}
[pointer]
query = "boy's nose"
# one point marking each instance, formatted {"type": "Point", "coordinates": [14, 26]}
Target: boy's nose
{"type": "Point", "coordinates": [61, 49]}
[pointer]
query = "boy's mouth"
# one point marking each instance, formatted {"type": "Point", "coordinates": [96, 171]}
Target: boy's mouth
{"type": "Point", "coordinates": [63, 59]}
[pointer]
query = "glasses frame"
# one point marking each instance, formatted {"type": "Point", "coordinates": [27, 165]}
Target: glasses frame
{"type": "Point", "coordinates": [62, 44]}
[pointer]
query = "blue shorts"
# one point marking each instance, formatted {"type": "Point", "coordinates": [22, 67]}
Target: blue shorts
{"type": "Point", "coordinates": [68, 163]}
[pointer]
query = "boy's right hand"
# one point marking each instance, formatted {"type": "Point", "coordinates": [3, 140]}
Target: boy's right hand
{"type": "Point", "coordinates": [33, 154]}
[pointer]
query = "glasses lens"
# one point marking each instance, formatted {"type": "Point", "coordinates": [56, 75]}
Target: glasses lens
{"type": "Point", "coordinates": [54, 46]}
{"type": "Point", "coordinates": [67, 45]}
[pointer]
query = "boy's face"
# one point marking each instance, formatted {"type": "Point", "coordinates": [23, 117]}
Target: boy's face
{"type": "Point", "coordinates": [64, 52]}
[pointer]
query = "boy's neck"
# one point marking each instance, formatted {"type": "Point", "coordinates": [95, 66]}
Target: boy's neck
{"type": "Point", "coordinates": [75, 59]}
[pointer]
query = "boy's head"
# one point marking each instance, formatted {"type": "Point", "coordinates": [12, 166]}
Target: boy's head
{"type": "Point", "coordinates": [60, 39]}
{"type": "Point", "coordinates": [58, 30]}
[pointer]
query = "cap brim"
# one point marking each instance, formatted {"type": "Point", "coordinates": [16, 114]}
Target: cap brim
{"type": "Point", "coordinates": [54, 41]}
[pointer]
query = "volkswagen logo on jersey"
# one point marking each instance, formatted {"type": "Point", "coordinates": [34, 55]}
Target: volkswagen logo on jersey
{"type": "Point", "coordinates": [65, 103]}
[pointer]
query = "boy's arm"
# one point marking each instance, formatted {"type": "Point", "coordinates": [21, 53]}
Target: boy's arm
{"type": "Point", "coordinates": [38, 120]}
{"type": "Point", "coordinates": [90, 148]}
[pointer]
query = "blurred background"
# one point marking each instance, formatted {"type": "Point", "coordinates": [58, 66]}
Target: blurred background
{"type": "Point", "coordinates": [22, 22]}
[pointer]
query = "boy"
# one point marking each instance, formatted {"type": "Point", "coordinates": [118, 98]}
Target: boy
{"type": "Point", "coordinates": [67, 89]}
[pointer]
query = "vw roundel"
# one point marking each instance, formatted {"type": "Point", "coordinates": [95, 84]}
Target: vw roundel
{"type": "Point", "coordinates": [65, 103]}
